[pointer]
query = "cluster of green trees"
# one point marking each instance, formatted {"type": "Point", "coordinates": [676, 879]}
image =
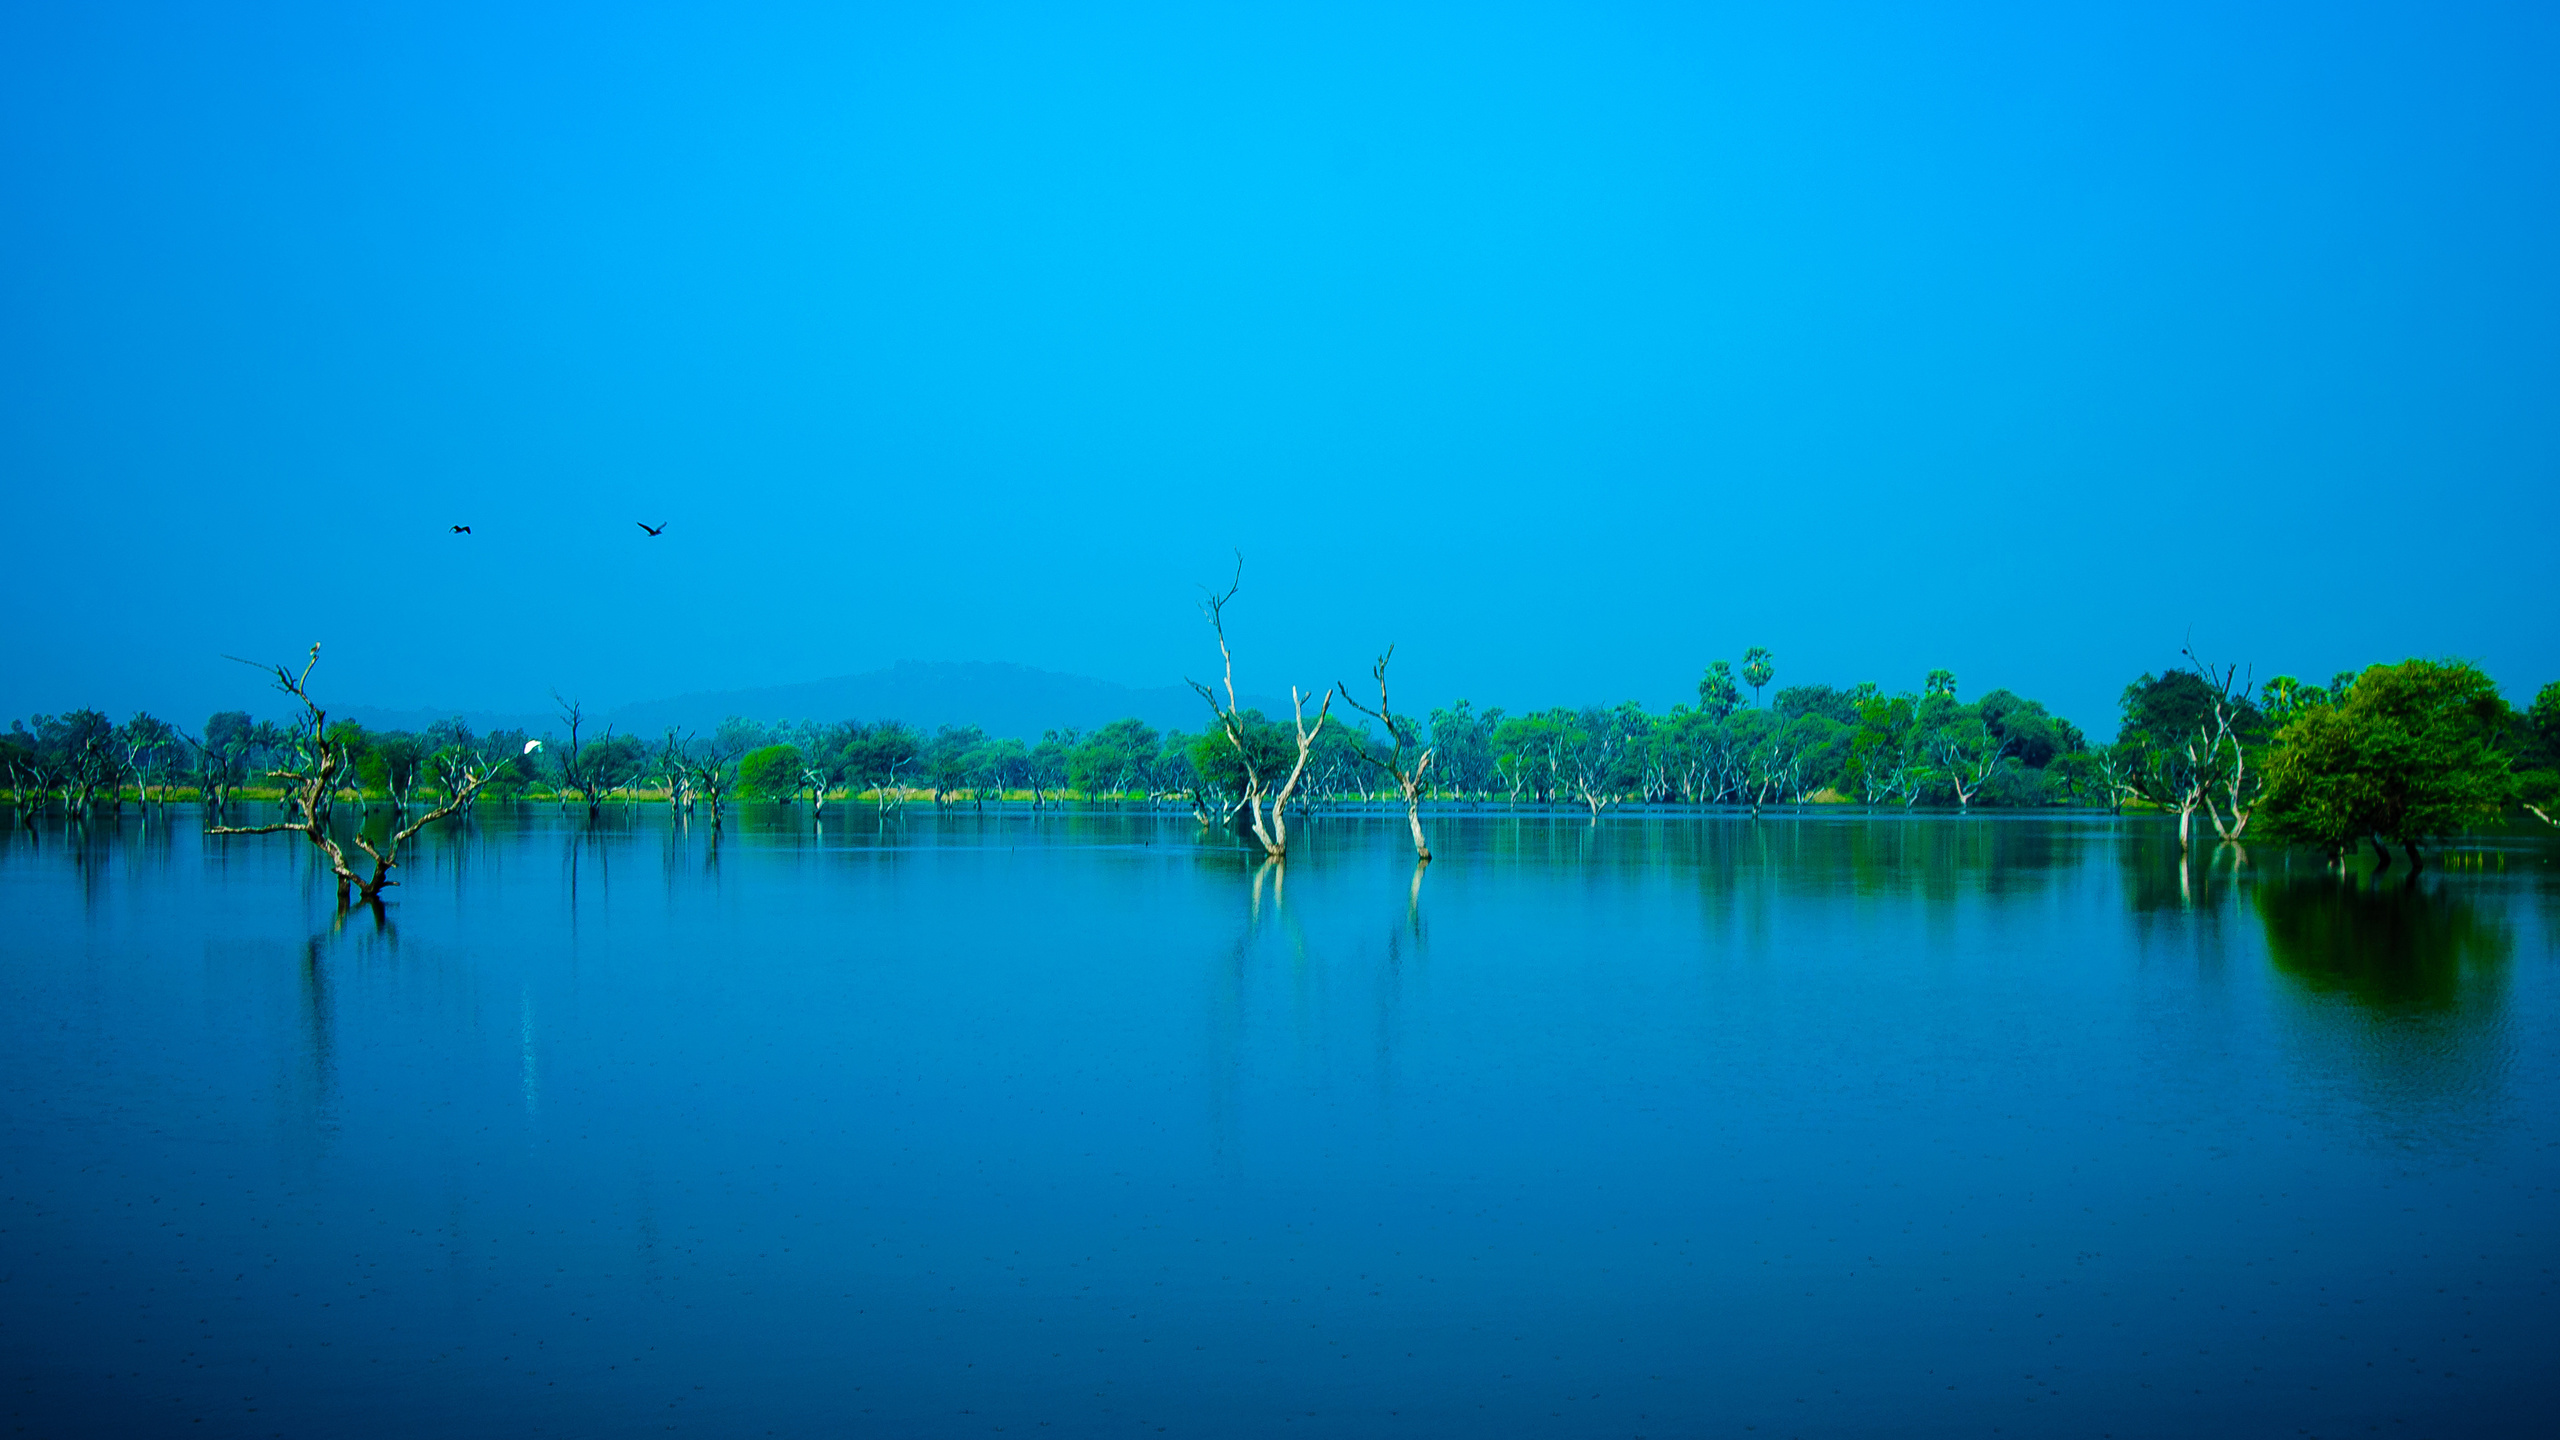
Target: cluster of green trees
{"type": "Point", "coordinates": [2401, 754]}
{"type": "Point", "coordinates": [1806, 742]}
{"type": "Point", "coordinates": [2397, 754]}
{"type": "Point", "coordinates": [85, 760]}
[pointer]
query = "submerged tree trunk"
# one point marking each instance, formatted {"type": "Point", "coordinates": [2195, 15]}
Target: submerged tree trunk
{"type": "Point", "coordinates": [312, 789]}
{"type": "Point", "coordinates": [1273, 835]}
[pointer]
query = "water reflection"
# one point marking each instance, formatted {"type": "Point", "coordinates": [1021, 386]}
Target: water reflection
{"type": "Point", "coordinates": [939, 1090]}
{"type": "Point", "coordinates": [2399, 1026]}
{"type": "Point", "coordinates": [2398, 945]}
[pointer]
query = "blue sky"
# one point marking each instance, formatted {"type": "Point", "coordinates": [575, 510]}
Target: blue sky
{"type": "Point", "coordinates": [1566, 346]}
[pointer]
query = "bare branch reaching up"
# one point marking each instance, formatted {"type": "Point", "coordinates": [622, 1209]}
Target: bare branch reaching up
{"type": "Point", "coordinates": [311, 789]}
{"type": "Point", "coordinates": [1402, 736]}
{"type": "Point", "coordinates": [1267, 823]}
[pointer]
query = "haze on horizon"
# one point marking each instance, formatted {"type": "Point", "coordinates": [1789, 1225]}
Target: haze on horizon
{"type": "Point", "coordinates": [1566, 347]}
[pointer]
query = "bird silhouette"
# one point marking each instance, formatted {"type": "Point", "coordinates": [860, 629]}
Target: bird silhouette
{"type": "Point", "coordinates": [652, 529]}
{"type": "Point", "coordinates": [461, 529]}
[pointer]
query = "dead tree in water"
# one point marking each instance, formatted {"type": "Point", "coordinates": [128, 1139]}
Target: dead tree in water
{"type": "Point", "coordinates": [673, 775]}
{"type": "Point", "coordinates": [1271, 832]}
{"type": "Point", "coordinates": [1404, 739]}
{"type": "Point", "coordinates": [713, 767]}
{"type": "Point", "coordinates": [2226, 756]}
{"type": "Point", "coordinates": [575, 773]}
{"type": "Point", "coordinates": [311, 790]}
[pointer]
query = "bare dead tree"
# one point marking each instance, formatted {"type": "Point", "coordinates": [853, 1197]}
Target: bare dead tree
{"type": "Point", "coordinates": [672, 773]}
{"type": "Point", "coordinates": [37, 776]}
{"type": "Point", "coordinates": [146, 741]}
{"type": "Point", "coordinates": [1271, 830]}
{"type": "Point", "coordinates": [1589, 756]}
{"type": "Point", "coordinates": [817, 775]}
{"type": "Point", "coordinates": [575, 771]}
{"type": "Point", "coordinates": [93, 768]}
{"type": "Point", "coordinates": [714, 768]}
{"type": "Point", "coordinates": [2221, 757]}
{"type": "Point", "coordinates": [890, 793]}
{"type": "Point", "coordinates": [2116, 778]}
{"type": "Point", "coordinates": [1887, 775]}
{"type": "Point", "coordinates": [454, 765]}
{"type": "Point", "coordinates": [219, 767]}
{"type": "Point", "coordinates": [1404, 741]}
{"type": "Point", "coordinates": [2175, 779]}
{"type": "Point", "coordinates": [311, 789]}
{"type": "Point", "coordinates": [1969, 761]}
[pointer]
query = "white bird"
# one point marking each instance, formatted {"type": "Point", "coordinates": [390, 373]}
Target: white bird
{"type": "Point", "coordinates": [532, 745]}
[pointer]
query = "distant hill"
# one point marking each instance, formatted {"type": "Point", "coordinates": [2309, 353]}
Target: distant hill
{"type": "Point", "coordinates": [1002, 699]}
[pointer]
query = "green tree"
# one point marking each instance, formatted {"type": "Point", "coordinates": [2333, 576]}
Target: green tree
{"type": "Point", "coordinates": [1967, 756]}
{"type": "Point", "coordinates": [149, 744]}
{"type": "Point", "coordinates": [1527, 753]}
{"type": "Point", "coordinates": [612, 763]}
{"type": "Point", "coordinates": [2542, 720]}
{"type": "Point", "coordinates": [2283, 696]}
{"type": "Point", "coordinates": [994, 767]}
{"type": "Point", "coordinates": [397, 762]}
{"type": "Point", "coordinates": [1759, 667]}
{"type": "Point", "coordinates": [2411, 755]}
{"type": "Point", "coordinates": [2035, 735]}
{"type": "Point", "coordinates": [883, 759]}
{"type": "Point", "coordinates": [1113, 759]}
{"type": "Point", "coordinates": [1222, 770]}
{"type": "Point", "coordinates": [357, 742]}
{"type": "Point", "coordinates": [949, 756]}
{"type": "Point", "coordinates": [2189, 741]}
{"type": "Point", "coordinates": [1884, 759]}
{"type": "Point", "coordinates": [1045, 768]}
{"type": "Point", "coordinates": [2538, 777]}
{"type": "Point", "coordinates": [1838, 705]}
{"type": "Point", "coordinates": [226, 754]}
{"type": "Point", "coordinates": [1688, 749]}
{"type": "Point", "coordinates": [1717, 694]}
{"type": "Point", "coordinates": [1462, 747]}
{"type": "Point", "coordinates": [1592, 752]}
{"type": "Point", "coordinates": [771, 773]}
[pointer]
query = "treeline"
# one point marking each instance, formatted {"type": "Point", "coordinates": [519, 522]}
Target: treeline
{"type": "Point", "coordinates": [2194, 742]}
{"type": "Point", "coordinates": [2401, 755]}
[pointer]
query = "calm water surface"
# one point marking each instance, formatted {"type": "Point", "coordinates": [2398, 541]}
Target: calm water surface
{"type": "Point", "coordinates": [1077, 1125]}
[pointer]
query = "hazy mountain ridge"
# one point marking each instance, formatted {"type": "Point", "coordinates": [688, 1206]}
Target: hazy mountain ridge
{"type": "Point", "coordinates": [1001, 698]}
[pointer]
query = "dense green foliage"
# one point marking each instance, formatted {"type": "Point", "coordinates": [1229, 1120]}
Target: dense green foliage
{"type": "Point", "coordinates": [771, 772]}
{"type": "Point", "coordinates": [2412, 752]}
{"type": "Point", "coordinates": [2538, 765]}
{"type": "Point", "coordinates": [2400, 754]}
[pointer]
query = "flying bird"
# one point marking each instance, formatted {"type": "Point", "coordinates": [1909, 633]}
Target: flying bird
{"type": "Point", "coordinates": [531, 745]}
{"type": "Point", "coordinates": [461, 529]}
{"type": "Point", "coordinates": [652, 529]}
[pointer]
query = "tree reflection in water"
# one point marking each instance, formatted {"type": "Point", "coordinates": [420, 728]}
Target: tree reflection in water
{"type": "Point", "coordinates": [2394, 946]}
{"type": "Point", "coordinates": [2399, 1026]}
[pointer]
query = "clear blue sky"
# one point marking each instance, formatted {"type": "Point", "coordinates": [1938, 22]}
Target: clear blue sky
{"type": "Point", "coordinates": [1567, 346]}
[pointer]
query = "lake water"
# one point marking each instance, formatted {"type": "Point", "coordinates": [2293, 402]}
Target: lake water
{"type": "Point", "coordinates": [1078, 1125]}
